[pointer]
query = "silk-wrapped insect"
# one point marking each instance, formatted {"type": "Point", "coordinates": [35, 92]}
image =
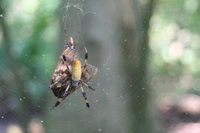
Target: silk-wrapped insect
{"type": "Point", "coordinates": [71, 74]}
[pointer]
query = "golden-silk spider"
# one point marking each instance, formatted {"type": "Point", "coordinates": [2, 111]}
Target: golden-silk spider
{"type": "Point", "coordinates": [70, 73]}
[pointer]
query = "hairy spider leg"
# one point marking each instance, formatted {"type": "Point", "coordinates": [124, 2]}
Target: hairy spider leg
{"type": "Point", "coordinates": [60, 99]}
{"type": "Point", "coordinates": [70, 40]}
{"type": "Point", "coordinates": [63, 85]}
{"type": "Point", "coordinates": [86, 52]}
{"type": "Point", "coordinates": [66, 63]}
{"type": "Point", "coordinates": [65, 31]}
{"type": "Point", "coordinates": [84, 95]}
{"type": "Point", "coordinates": [86, 55]}
{"type": "Point", "coordinates": [72, 44]}
{"type": "Point", "coordinates": [90, 87]}
{"type": "Point", "coordinates": [77, 35]}
{"type": "Point", "coordinates": [58, 86]}
{"type": "Point", "coordinates": [66, 90]}
{"type": "Point", "coordinates": [57, 103]}
{"type": "Point", "coordinates": [55, 84]}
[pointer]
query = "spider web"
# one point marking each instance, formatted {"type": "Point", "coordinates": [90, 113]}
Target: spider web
{"type": "Point", "coordinates": [105, 97]}
{"type": "Point", "coordinates": [108, 112]}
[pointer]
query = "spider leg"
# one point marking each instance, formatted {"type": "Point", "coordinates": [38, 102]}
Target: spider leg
{"type": "Point", "coordinates": [65, 61]}
{"type": "Point", "coordinates": [65, 44]}
{"type": "Point", "coordinates": [57, 103]}
{"type": "Point", "coordinates": [84, 95]}
{"type": "Point", "coordinates": [61, 99]}
{"type": "Point", "coordinates": [65, 31]}
{"type": "Point", "coordinates": [77, 37]}
{"type": "Point", "coordinates": [54, 86]}
{"type": "Point", "coordinates": [66, 91]}
{"type": "Point", "coordinates": [90, 87]}
{"type": "Point", "coordinates": [86, 53]}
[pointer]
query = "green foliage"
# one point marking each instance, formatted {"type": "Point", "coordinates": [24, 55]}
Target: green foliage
{"type": "Point", "coordinates": [174, 41]}
{"type": "Point", "coordinates": [32, 35]}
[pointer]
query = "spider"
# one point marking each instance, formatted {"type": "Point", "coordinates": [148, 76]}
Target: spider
{"type": "Point", "coordinates": [66, 87]}
{"type": "Point", "coordinates": [71, 74]}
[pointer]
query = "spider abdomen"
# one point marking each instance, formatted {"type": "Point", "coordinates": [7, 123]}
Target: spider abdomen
{"type": "Point", "coordinates": [76, 72]}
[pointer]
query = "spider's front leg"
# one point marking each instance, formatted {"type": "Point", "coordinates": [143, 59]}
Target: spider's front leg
{"type": "Point", "coordinates": [86, 53]}
{"type": "Point", "coordinates": [66, 62]}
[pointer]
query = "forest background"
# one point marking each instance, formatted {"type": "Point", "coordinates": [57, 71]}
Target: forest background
{"type": "Point", "coordinates": [147, 52]}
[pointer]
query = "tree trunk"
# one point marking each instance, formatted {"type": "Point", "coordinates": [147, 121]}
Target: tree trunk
{"type": "Point", "coordinates": [136, 57]}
